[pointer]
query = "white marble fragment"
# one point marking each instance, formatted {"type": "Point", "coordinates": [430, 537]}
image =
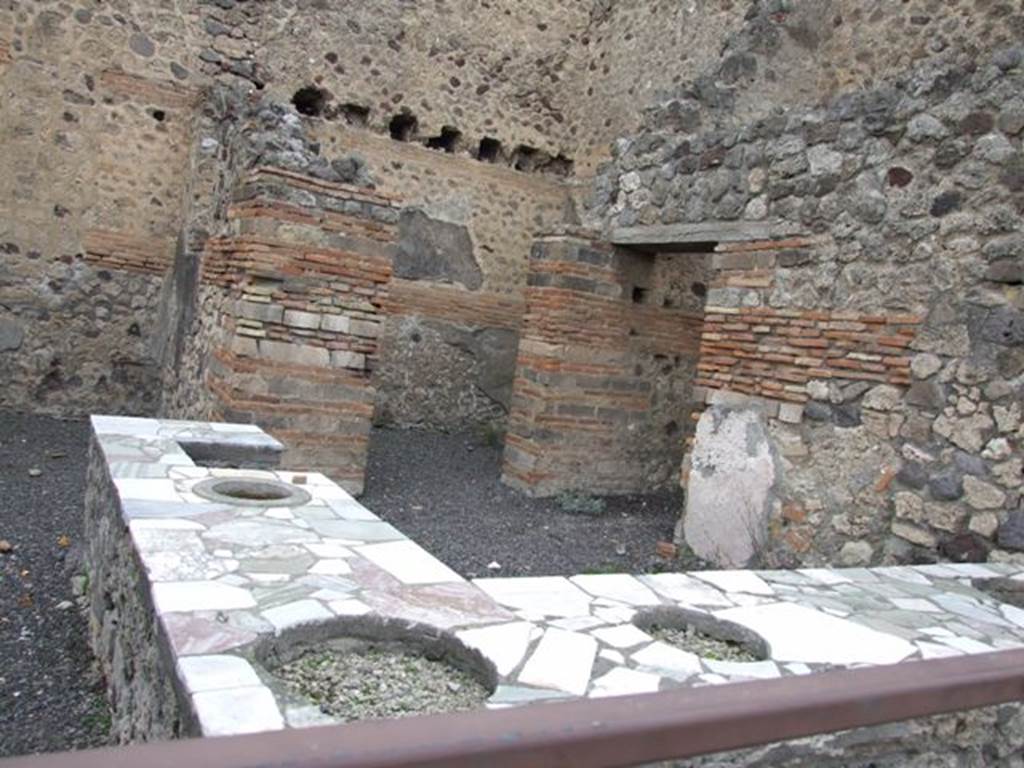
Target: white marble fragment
{"type": "Point", "coordinates": [279, 513]}
{"type": "Point", "coordinates": [576, 623]}
{"type": "Point", "coordinates": [210, 673]}
{"type": "Point", "coordinates": [615, 615]}
{"type": "Point", "coordinates": [937, 632]}
{"type": "Point", "coordinates": [624, 682]}
{"type": "Point", "coordinates": [328, 550]}
{"type": "Point", "coordinates": [903, 573]}
{"type": "Point", "coordinates": [295, 613]}
{"type": "Point", "coordinates": [825, 575]}
{"type": "Point", "coordinates": [616, 586]}
{"type": "Point", "coordinates": [164, 524]}
{"type": "Point", "coordinates": [797, 633]}
{"type": "Point", "coordinates": [915, 604]}
{"type": "Point", "coordinates": [177, 596]}
{"type": "Point", "coordinates": [737, 581]}
{"type": "Point", "coordinates": [562, 660]}
{"type": "Point", "coordinates": [1013, 614]}
{"type": "Point", "coordinates": [269, 578]}
{"type": "Point", "coordinates": [615, 657]}
{"type": "Point", "coordinates": [331, 567]}
{"type": "Point", "coordinates": [237, 710]}
{"type": "Point", "coordinates": [349, 607]}
{"type": "Point", "coordinates": [685, 590]}
{"type": "Point", "coordinates": [143, 489]}
{"type": "Point", "coordinates": [966, 644]}
{"type": "Point", "coordinates": [504, 644]}
{"type": "Point", "coordinates": [757, 670]}
{"type": "Point", "coordinates": [971, 570]}
{"type": "Point", "coordinates": [539, 595]}
{"type": "Point", "coordinates": [622, 636]}
{"type": "Point", "coordinates": [667, 660]}
{"type": "Point", "coordinates": [408, 562]}
{"type": "Point", "coordinates": [936, 651]}
{"type": "Point", "coordinates": [712, 679]}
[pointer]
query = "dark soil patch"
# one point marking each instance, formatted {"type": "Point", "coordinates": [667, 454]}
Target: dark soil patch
{"type": "Point", "coordinates": [444, 491]}
{"type": "Point", "coordinates": [52, 696]}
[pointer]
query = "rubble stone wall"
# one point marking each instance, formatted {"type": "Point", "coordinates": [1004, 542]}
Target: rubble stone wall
{"type": "Point", "coordinates": [93, 148]}
{"type": "Point", "coordinates": [448, 343]}
{"type": "Point", "coordinates": [895, 317]}
{"type": "Point", "coordinates": [986, 736]}
{"type": "Point", "coordinates": [96, 160]}
{"type": "Point", "coordinates": [126, 636]}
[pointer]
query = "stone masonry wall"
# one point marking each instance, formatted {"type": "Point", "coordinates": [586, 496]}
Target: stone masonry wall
{"type": "Point", "coordinates": [277, 316]}
{"type": "Point", "coordinates": [989, 736]}
{"type": "Point", "coordinates": [605, 363]}
{"type": "Point", "coordinates": [96, 170]}
{"type": "Point", "coordinates": [92, 156]}
{"type": "Point", "coordinates": [448, 343]}
{"type": "Point", "coordinates": [758, 349]}
{"type": "Point", "coordinates": [126, 636]}
{"type": "Point", "coordinates": [749, 58]}
{"type": "Point", "coordinates": [898, 316]}
{"type": "Point", "coordinates": [100, 100]}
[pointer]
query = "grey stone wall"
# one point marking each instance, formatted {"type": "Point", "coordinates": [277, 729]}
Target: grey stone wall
{"type": "Point", "coordinates": [126, 637]}
{"type": "Point", "coordinates": [909, 197]}
{"type": "Point", "coordinates": [992, 736]}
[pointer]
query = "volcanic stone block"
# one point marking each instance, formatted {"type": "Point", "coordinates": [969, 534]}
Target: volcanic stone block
{"type": "Point", "coordinates": [11, 336]}
{"type": "Point", "coordinates": [731, 489]}
{"type": "Point", "coordinates": [429, 249]}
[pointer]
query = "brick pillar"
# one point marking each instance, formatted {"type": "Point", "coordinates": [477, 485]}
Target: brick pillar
{"type": "Point", "coordinates": [583, 414]}
{"type": "Point", "coordinates": [299, 282]}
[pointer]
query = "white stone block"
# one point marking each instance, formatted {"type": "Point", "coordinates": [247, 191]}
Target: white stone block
{"type": "Point", "coordinates": [504, 644]}
{"type": "Point", "coordinates": [335, 323]}
{"type": "Point", "coordinates": [798, 633]}
{"type": "Point", "coordinates": [296, 613]}
{"type": "Point", "coordinates": [341, 358]}
{"type": "Point", "coordinates": [625, 682]}
{"type": "Point", "coordinates": [237, 710]}
{"type": "Point", "coordinates": [408, 562]}
{"type": "Point", "coordinates": [211, 673]}
{"type": "Point", "coordinates": [563, 660]}
{"type": "Point", "coordinates": [299, 319]}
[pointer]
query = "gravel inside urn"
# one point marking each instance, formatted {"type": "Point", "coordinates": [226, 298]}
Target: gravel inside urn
{"type": "Point", "coordinates": [376, 683]}
{"type": "Point", "coordinates": [705, 646]}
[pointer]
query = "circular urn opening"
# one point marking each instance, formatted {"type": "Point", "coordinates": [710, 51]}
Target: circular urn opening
{"type": "Point", "coordinates": [373, 668]}
{"type": "Point", "coordinates": [250, 492]}
{"type": "Point", "coordinates": [703, 634]}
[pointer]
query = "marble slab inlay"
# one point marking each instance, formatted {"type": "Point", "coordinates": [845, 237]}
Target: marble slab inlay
{"type": "Point", "coordinates": [224, 577]}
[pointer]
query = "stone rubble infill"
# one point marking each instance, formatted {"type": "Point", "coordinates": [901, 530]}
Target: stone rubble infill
{"type": "Point", "coordinates": [224, 578]}
{"type": "Point", "coordinates": [705, 646]}
{"type": "Point", "coordinates": [378, 683]}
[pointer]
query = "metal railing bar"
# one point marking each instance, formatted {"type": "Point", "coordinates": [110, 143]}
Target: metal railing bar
{"type": "Point", "coordinates": [600, 733]}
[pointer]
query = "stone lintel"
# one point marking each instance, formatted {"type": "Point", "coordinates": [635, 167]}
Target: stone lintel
{"type": "Point", "coordinates": [687, 237]}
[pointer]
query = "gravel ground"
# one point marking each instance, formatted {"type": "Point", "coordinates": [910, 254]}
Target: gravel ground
{"type": "Point", "coordinates": [51, 697]}
{"type": "Point", "coordinates": [691, 640]}
{"type": "Point", "coordinates": [444, 491]}
{"type": "Point", "coordinates": [374, 683]}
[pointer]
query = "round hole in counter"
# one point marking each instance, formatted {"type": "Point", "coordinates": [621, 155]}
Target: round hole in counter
{"type": "Point", "coordinates": [371, 667]}
{"type": "Point", "coordinates": [703, 634]}
{"type": "Point", "coordinates": [250, 492]}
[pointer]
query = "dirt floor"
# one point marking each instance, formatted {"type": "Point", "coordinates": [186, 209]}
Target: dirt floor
{"type": "Point", "coordinates": [443, 491]}
{"type": "Point", "coordinates": [51, 697]}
